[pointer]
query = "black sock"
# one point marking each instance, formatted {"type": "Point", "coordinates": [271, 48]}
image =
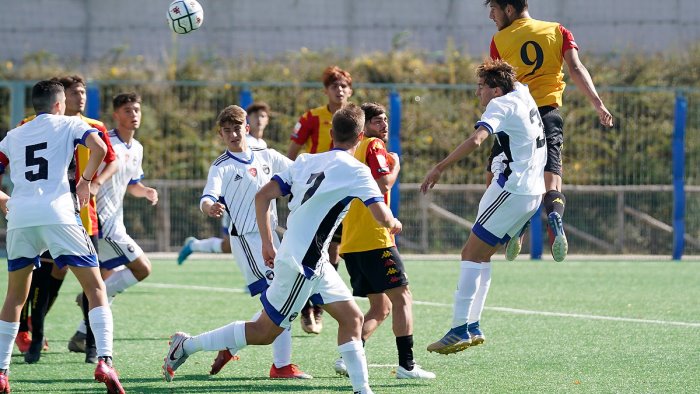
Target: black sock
{"type": "Point", "coordinates": [54, 287]}
{"type": "Point", "coordinates": [405, 347]}
{"type": "Point", "coordinates": [24, 315]}
{"type": "Point", "coordinates": [89, 336]}
{"type": "Point", "coordinates": [40, 300]}
{"type": "Point", "coordinates": [554, 201]}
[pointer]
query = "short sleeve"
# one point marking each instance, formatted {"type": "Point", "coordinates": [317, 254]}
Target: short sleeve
{"type": "Point", "coordinates": [303, 128]}
{"type": "Point", "coordinates": [284, 180]}
{"type": "Point", "coordinates": [278, 161]}
{"type": "Point", "coordinates": [568, 40]}
{"type": "Point", "coordinates": [110, 156]}
{"type": "Point", "coordinates": [4, 160]}
{"type": "Point", "coordinates": [366, 188]}
{"type": "Point", "coordinates": [495, 113]}
{"type": "Point", "coordinates": [377, 159]}
{"type": "Point", "coordinates": [79, 130]}
{"type": "Point", "coordinates": [493, 50]}
{"type": "Point", "coordinates": [212, 190]}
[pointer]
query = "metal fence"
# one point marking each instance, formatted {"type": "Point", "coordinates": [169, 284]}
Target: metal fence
{"type": "Point", "coordinates": [619, 182]}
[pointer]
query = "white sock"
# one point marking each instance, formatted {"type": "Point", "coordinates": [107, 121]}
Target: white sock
{"type": "Point", "coordinates": [82, 327]}
{"type": "Point", "coordinates": [8, 333]}
{"type": "Point", "coordinates": [209, 245]}
{"type": "Point", "coordinates": [282, 349]}
{"type": "Point", "coordinates": [354, 356]}
{"type": "Point", "coordinates": [481, 293]}
{"type": "Point", "coordinates": [230, 336]}
{"type": "Point", "coordinates": [103, 329]}
{"type": "Point", "coordinates": [120, 281]}
{"type": "Point", "coordinates": [467, 287]}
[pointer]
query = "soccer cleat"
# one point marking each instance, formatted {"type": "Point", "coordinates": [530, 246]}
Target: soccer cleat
{"type": "Point", "coordinates": [318, 318]}
{"type": "Point", "coordinates": [223, 357]}
{"type": "Point", "coordinates": [290, 371]}
{"type": "Point", "coordinates": [33, 354]}
{"type": "Point", "coordinates": [452, 342]}
{"type": "Point", "coordinates": [416, 373]}
{"type": "Point", "coordinates": [340, 367]}
{"type": "Point", "coordinates": [308, 322]}
{"type": "Point", "coordinates": [23, 341]}
{"type": "Point", "coordinates": [560, 246]}
{"type": "Point", "coordinates": [186, 250]}
{"type": "Point", "coordinates": [104, 373]}
{"type": "Point", "coordinates": [77, 342]}
{"type": "Point", "coordinates": [475, 334]}
{"type": "Point", "coordinates": [513, 247]}
{"type": "Point", "coordinates": [91, 355]}
{"type": "Point", "coordinates": [4, 382]}
{"type": "Point", "coordinates": [176, 355]}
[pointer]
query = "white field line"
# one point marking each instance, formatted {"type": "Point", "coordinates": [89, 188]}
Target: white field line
{"type": "Point", "coordinates": [493, 308]}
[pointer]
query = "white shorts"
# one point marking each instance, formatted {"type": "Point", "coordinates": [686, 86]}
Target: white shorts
{"type": "Point", "coordinates": [247, 251]}
{"type": "Point", "coordinates": [502, 214]}
{"type": "Point", "coordinates": [117, 249]}
{"type": "Point", "coordinates": [290, 290]}
{"type": "Point", "coordinates": [68, 243]}
{"type": "Point", "coordinates": [225, 222]}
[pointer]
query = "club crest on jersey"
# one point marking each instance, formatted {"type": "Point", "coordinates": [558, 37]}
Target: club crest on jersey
{"type": "Point", "coordinates": [293, 316]}
{"type": "Point", "coordinates": [266, 169]}
{"type": "Point", "coordinates": [270, 274]}
{"type": "Point", "coordinates": [253, 171]}
{"type": "Point", "coordinates": [130, 248]}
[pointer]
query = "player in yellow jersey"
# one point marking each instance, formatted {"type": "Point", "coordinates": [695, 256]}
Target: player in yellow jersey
{"type": "Point", "coordinates": [370, 254]}
{"type": "Point", "coordinates": [312, 134]}
{"type": "Point", "coordinates": [538, 50]}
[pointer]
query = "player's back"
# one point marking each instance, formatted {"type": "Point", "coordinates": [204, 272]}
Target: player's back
{"type": "Point", "coordinates": [39, 153]}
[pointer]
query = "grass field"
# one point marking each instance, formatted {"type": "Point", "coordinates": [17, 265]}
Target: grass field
{"type": "Point", "coordinates": [577, 326]}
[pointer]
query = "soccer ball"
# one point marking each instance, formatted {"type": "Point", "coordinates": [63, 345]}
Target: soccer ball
{"type": "Point", "coordinates": [185, 16]}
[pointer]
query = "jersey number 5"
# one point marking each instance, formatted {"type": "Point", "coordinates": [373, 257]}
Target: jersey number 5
{"type": "Point", "coordinates": [316, 178]}
{"type": "Point", "coordinates": [32, 160]}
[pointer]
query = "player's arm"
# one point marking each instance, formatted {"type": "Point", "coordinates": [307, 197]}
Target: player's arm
{"type": "Point", "coordinates": [98, 150]}
{"type": "Point", "coordinates": [138, 189]}
{"type": "Point", "coordinates": [110, 168]}
{"type": "Point", "coordinates": [211, 208]}
{"type": "Point", "coordinates": [263, 197]}
{"type": "Point", "coordinates": [382, 214]}
{"type": "Point", "coordinates": [302, 132]}
{"type": "Point", "coordinates": [4, 198]}
{"type": "Point", "coordinates": [387, 181]}
{"type": "Point", "coordinates": [582, 80]}
{"type": "Point", "coordinates": [462, 151]}
{"type": "Point", "coordinates": [293, 150]}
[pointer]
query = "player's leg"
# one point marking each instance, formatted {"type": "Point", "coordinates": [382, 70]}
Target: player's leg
{"type": "Point", "coordinates": [476, 335]}
{"type": "Point", "coordinates": [18, 283]}
{"type": "Point", "coordinates": [554, 200]}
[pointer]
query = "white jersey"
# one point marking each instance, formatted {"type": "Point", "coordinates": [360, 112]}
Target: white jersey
{"type": "Point", "coordinates": [322, 187]}
{"type": "Point", "coordinates": [110, 198]}
{"type": "Point", "coordinates": [516, 122]}
{"type": "Point", "coordinates": [233, 180]}
{"type": "Point", "coordinates": [39, 153]}
{"type": "Point", "coordinates": [255, 143]}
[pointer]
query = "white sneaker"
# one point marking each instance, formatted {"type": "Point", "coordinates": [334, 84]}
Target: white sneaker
{"type": "Point", "coordinates": [340, 367]}
{"type": "Point", "coordinates": [176, 355]}
{"type": "Point", "coordinates": [416, 373]}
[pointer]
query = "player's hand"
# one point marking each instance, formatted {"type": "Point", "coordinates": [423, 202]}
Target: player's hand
{"type": "Point", "coordinates": [94, 188]}
{"type": "Point", "coordinates": [431, 178]}
{"type": "Point", "coordinates": [396, 227]}
{"type": "Point", "coordinates": [3, 205]}
{"type": "Point", "coordinates": [394, 161]}
{"type": "Point", "coordinates": [82, 190]}
{"type": "Point", "coordinates": [606, 119]}
{"type": "Point", "coordinates": [216, 210]}
{"type": "Point", "coordinates": [269, 253]}
{"type": "Point", "coordinates": [152, 195]}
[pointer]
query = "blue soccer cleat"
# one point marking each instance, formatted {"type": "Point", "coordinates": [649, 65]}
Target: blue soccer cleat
{"type": "Point", "coordinates": [456, 340]}
{"type": "Point", "coordinates": [475, 333]}
{"type": "Point", "coordinates": [186, 250]}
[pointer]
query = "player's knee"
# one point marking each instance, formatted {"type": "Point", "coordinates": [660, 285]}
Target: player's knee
{"type": "Point", "coordinates": [141, 268]}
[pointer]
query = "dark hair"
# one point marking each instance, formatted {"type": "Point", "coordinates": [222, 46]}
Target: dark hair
{"type": "Point", "coordinates": [497, 74]}
{"type": "Point", "coordinates": [125, 98]}
{"type": "Point", "coordinates": [231, 114]}
{"type": "Point", "coordinates": [519, 5]}
{"type": "Point", "coordinates": [44, 95]}
{"type": "Point", "coordinates": [333, 74]}
{"type": "Point", "coordinates": [348, 123]}
{"type": "Point", "coordinates": [69, 80]}
{"type": "Point", "coordinates": [371, 110]}
{"type": "Point", "coordinates": [258, 106]}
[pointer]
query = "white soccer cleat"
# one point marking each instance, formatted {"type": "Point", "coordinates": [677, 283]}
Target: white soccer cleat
{"type": "Point", "coordinates": [513, 247]}
{"type": "Point", "coordinates": [340, 367]}
{"type": "Point", "coordinates": [416, 373]}
{"type": "Point", "coordinates": [176, 355]}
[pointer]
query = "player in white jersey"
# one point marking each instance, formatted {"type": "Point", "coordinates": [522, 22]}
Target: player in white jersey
{"type": "Point", "coordinates": [233, 180]}
{"type": "Point", "coordinates": [258, 118]}
{"type": "Point", "coordinates": [42, 214]}
{"type": "Point", "coordinates": [322, 186]}
{"type": "Point", "coordinates": [513, 196]}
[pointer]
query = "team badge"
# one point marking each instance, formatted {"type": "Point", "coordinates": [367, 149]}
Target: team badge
{"type": "Point", "coordinates": [270, 274]}
{"type": "Point", "coordinates": [266, 169]}
{"type": "Point", "coordinates": [130, 248]}
{"type": "Point", "coordinates": [293, 316]}
{"type": "Point", "coordinates": [253, 171]}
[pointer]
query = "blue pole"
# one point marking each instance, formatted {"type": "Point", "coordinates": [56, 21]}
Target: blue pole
{"type": "Point", "coordinates": [536, 235]}
{"type": "Point", "coordinates": [678, 155]}
{"type": "Point", "coordinates": [395, 144]}
{"type": "Point", "coordinates": [245, 98]}
{"type": "Point", "coordinates": [92, 105]}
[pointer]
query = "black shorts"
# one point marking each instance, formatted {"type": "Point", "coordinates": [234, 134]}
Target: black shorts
{"type": "Point", "coordinates": [375, 271]}
{"type": "Point", "coordinates": [337, 234]}
{"type": "Point", "coordinates": [553, 125]}
{"type": "Point", "coordinates": [46, 256]}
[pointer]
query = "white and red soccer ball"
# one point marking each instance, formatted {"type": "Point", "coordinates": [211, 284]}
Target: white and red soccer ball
{"type": "Point", "coordinates": [185, 16]}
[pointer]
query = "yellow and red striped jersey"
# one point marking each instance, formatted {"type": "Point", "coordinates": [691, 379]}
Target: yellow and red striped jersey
{"type": "Point", "coordinates": [313, 130]}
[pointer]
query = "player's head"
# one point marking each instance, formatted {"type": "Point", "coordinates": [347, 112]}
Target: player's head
{"type": "Point", "coordinates": [504, 12]}
{"type": "Point", "coordinates": [337, 84]}
{"type": "Point", "coordinates": [258, 118]}
{"type": "Point", "coordinates": [233, 128]}
{"type": "Point", "coordinates": [49, 97]}
{"type": "Point", "coordinates": [376, 121]}
{"type": "Point", "coordinates": [76, 95]}
{"type": "Point", "coordinates": [126, 109]}
{"type": "Point", "coordinates": [347, 126]}
{"type": "Point", "coordinates": [495, 78]}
